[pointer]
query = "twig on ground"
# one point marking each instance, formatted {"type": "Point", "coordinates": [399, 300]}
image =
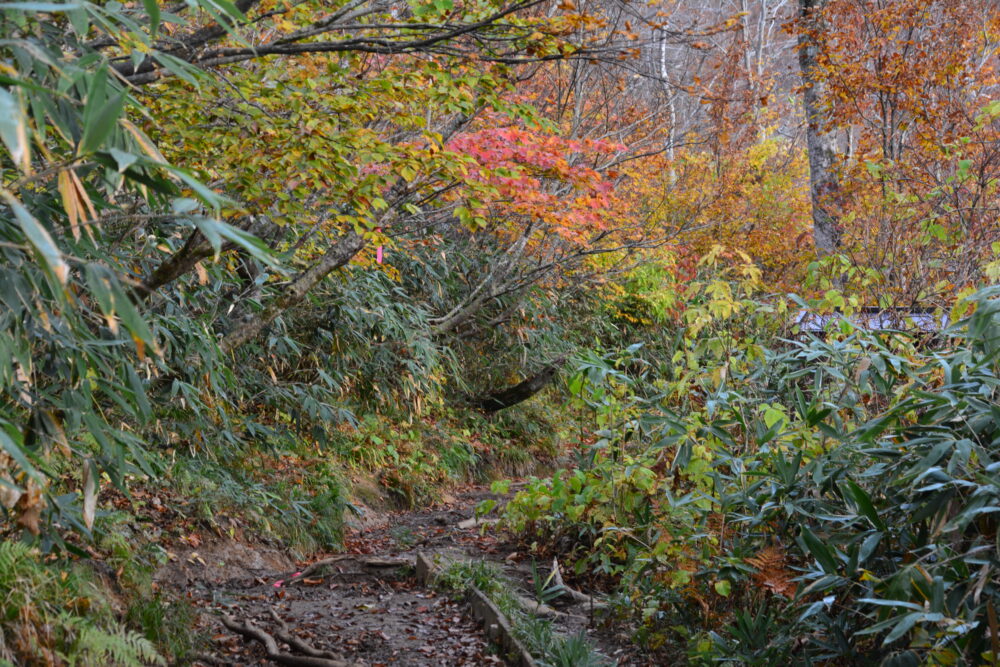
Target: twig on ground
{"type": "Point", "coordinates": [370, 562]}
{"type": "Point", "coordinates": [476, 521]}
{"type": "Point", "coordinates": [318, 565]}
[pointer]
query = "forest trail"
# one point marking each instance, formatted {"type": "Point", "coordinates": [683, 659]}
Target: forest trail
{"type": "Point", "coordinates": [365, 607]}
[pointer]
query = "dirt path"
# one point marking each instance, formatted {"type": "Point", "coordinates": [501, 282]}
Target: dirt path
{"type": "Point", "coordinates": [363, 609]}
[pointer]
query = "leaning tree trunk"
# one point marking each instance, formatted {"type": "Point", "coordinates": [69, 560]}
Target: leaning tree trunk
{"type": "Point", "coordinates": [336, 256]}
{"type": "Point", "coordinates": [520, 392]}
{"type": "Point", "coordinates": [824, 186]}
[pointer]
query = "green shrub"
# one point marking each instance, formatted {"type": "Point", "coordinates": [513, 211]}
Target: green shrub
{"type": "Point", "coordinates": [844, 487]}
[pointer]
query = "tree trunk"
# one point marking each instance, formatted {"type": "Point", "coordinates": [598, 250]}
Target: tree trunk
{"type": "Point", "coordinates": [488, 288]}
{"type": "Point", "coordinates": [521, 391]}
{"type": "Point", "coordinates": [824, 187]}
{"type": "Point", "coordinates": [195, 249]}
{"type": "Point", "coordinates": [335, 257]}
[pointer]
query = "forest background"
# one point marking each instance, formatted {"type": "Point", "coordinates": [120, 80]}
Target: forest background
{"type": "Point", "coordinates": [270, 260]}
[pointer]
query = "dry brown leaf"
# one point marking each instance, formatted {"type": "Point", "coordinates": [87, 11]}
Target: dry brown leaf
{"type": "Point", "coordinates": [29, 509]}
{"type": "Point", "coordinates": [202, 273]}
{"type": "Point", "coordinates": [772, 571]}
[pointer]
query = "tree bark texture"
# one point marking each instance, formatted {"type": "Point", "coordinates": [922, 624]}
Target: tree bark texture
{"type": "Point", "coordinates": [821, 143]}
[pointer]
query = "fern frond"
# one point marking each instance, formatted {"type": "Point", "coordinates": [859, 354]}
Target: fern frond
{"type": "Point", "coordinates": [94, 646]}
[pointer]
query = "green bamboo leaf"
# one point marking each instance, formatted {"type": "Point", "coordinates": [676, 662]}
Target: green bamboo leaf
{"type": "Point", "coordinates": [40, 6]}
{"type": "Point", "coordinates": [821, 552]}
{"type": "Point", "coordinates": [14, 130]}
{"type": "Point", "coordinates": [868, 547]}
{"type": "Point", "coordinates": [250, 243]}
{"type": "Point", "coordinates": [96, 94]}
{"type": "Point", "coordinates": [17, 452]}
{"type": "Point", "coordinates": [99, 286]}
{"type": "Point", "coordinates": [229, 8]}
{"type": "Point", "coordinates": [124, 160]}
{"type": "Point", "coordinates": [101, 124]}
{"type": "Point", "coordinates": [139, 394]}
{"type": "Point", "coordinates": [902, 627]}
{"type": "Point", "coordinates": [864, 504]}
{"type": "Point", "coordinates": [39, 239]}
{"type": "Point", "coordinates": [131, 318]}
{"type": "Point", "coordinates": [209, 229]}
{"type": "Point", "coordinates": [203, 192]}
{"type": "Point", "coordinates": [895, 604]}
{"type": "Point", "coordinates": [153, 11]}
{"type": "Point", "coordinates": [180, 68]}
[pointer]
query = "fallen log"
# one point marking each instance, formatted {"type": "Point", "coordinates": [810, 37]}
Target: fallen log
{"type": "Point", "coordinates": [520, 392]}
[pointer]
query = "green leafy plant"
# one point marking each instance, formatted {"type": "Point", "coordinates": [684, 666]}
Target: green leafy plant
{"type": "Point", "coordinates": [60, 616]}
{"type": "Point", "coordinates": [844, 485]}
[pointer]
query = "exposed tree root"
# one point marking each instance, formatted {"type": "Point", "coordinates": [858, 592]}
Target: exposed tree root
{"type": "Point", "coordinates": [286, 636]}
{"type": "Point", "coordinates": [313, 657]}
{"type": "Point", "coordinates": [575, 594]}
{"type": "Point", "coordinates": [208, 659]}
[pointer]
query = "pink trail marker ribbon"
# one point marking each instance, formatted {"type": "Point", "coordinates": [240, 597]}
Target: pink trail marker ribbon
{"type": "Point", "coordinates": [278, 583]}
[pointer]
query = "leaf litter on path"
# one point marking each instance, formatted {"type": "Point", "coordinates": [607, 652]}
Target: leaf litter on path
{"type": "Point", "coordinates": [356, 607]}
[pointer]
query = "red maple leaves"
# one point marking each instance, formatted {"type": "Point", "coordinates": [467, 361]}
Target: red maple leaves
{"type": "Point", "coordinates": [541, 176]}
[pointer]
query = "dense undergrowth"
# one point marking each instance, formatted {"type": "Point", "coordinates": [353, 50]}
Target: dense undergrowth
{"type": "Point", "coordinates": [265, 264]}
{"type": "Point", "coordinates": [760, 496]}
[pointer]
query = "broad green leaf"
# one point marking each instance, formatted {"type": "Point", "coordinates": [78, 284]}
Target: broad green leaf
{"type": "Point", "coordinates": [822, 553]}
{"type": "Point", "coordinates": [124, 160]}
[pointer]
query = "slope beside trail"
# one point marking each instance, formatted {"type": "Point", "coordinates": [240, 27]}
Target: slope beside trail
{"type": "Point", "coordinates": [364, 607]}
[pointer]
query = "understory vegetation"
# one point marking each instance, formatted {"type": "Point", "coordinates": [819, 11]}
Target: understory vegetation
{"type": "Point", "coordinates": [715, 281]}
{"type": "Point", "coordinates": [764, 497]}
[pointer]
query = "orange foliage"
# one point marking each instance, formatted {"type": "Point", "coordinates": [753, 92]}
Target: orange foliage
{"type": "Point", "coordinates": [755, 199]}
{"type": "Point", "coordinates": [772, 572]}
{"type": "Point", "coordinates": [908, 82]}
